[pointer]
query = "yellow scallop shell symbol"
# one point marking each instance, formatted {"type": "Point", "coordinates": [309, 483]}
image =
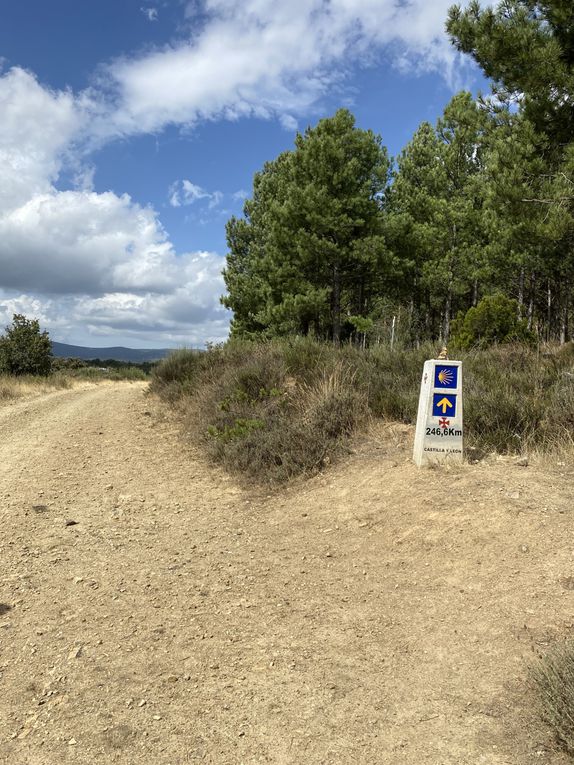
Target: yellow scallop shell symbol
{"type": "Point", "coordinates": [445, 376]}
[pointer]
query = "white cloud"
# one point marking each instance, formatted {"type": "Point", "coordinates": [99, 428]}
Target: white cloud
{"type": "Point", "coordinates": [187, 193]}
{"type": "Point", "coordinates": [36, 130]}
{"type": "Point", "coordinates": [24, 304]}
{"type": "Point", "coordinates": [288, 122]}
{"type": "Point", "coordinates": [104, 260]}
{"type": "Point", "coordinates": [267, 58]}
{"type": "Point", "coordinates": [150, 13]}
{"type": "Point", "coordinates": [78, 258]}
{"type": "Point", "coordinates": [215, 200]}
{"type": "Point", "coordinates": [187, 314]}
{"type": "Point", "coordinates": [83, 178]}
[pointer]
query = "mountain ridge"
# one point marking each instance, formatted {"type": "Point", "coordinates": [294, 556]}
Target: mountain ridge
{"type": "Point", "coordinates": [118, 353]}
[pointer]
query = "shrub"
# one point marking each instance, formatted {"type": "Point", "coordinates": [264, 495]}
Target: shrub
{"type": "Point", "coordinates": [265, 410]}
{"type": "Point", "coordinates": [61, 363]}
{"type": "Point", "coordinates": [493, 320]}
{"type": "Point", "coordinates": [129, 373]}
{"type": "Point", "coordinates": [180, 373]}
{"type": "Point", "coordinates": [554, 680]}
{"type": "Point", "coordinates": [24, 350]}
{"type": "Point", "coordinates": [281, 408]}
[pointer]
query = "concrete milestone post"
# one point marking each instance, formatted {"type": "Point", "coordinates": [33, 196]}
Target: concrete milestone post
{"type": "Point", "coordinates": [438, 436]}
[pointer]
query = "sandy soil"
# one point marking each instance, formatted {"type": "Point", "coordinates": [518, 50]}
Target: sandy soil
{"type": "Point", "coordinates": [375, 614]}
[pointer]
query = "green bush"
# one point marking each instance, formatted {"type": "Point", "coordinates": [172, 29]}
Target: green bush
{"type": "Point", "coordinates": [493, 320]}
{"type": "Point", "coordinates": [181, 372]}
{"type": "Point", "coordinates": [62, 363]}
{"type": "Point", "coordinates": [24, 349]}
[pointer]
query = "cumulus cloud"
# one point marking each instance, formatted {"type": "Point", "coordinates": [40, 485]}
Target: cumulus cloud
{"type": "Point", "coordinates": [288, 122]}
{"type": "Point", "coordinates": [74, 257]}
{"type": "Point", "coordinates": [264, 58]}
{"type": "Point", "coordinates": [36, 130]}
{"type": "Point", "coordinates": [79, 257]}
{"type": "Point", "coordinates": [186, 313]}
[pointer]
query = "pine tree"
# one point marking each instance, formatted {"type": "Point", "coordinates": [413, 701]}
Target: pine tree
{"type": "Point", "coordinates": [438, 191]}
{"type": "Point", "coordinates": [310, 252]}
{"type": "Point", "coordinates": [527, 48]}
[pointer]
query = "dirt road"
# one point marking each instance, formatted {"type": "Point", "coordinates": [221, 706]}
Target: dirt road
{"type": "Point", "coordinates": [152, 611]}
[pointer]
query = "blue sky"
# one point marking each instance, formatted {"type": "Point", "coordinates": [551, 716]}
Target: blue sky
{"type": "Point", "coordinates": [131, 132]}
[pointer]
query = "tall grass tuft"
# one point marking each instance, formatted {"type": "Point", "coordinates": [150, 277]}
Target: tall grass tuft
{"type": "Point", "coordinates": [553, 678]}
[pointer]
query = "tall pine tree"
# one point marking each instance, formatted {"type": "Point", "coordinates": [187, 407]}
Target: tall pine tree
{"type": "Point", "coordinates": [310, 251]}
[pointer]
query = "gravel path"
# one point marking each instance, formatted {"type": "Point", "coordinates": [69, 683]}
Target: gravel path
{"type": "Point", "coordinates": [153, 611]}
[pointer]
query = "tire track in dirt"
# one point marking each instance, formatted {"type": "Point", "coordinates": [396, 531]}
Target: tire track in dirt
{"type": "Point", "coordinates": [376, 614]}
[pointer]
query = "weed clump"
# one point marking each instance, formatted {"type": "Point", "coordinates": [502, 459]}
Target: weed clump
{"type": "Point", "coordinates": [553, 679]}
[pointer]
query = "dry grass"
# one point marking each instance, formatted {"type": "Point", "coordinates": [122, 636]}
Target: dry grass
{"type": "Point", "coordinates": [19, 387]}
{"type": "Point", "coordinates": [13, 388]}
{"type": "Point", "coordinates": [553, 677]}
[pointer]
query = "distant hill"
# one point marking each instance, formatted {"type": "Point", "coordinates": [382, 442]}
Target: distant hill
{"type": "Point", "coordinates": [136, 355]}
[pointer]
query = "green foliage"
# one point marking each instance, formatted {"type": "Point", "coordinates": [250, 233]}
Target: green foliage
{"type": "Point", "coordinates": [437, 203]}
{"type": "Point", "coordinates": [240, 429]}
{"type": "Point", "coordinates": [181, 371]}
{"type": "Point", "coordinates": [24, 349]}
{"type": "Point", "coordinates": [60, 363]}
{"type": "Point", "coordinates": [310, 249]}
{"type": "Point", "coordinates": [130, 373]}
{"type": "Point", "coordinates": [96, 369]}
{"type": "Point", "coordinates": [525, 47]}
{"type": "Point", "coordinates": [493, 320]}
{"type": "Point", "coordinates": [480, 203]}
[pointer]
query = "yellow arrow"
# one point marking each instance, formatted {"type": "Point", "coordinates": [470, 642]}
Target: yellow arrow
{"type": "Point", "coordinates": [445, 403]}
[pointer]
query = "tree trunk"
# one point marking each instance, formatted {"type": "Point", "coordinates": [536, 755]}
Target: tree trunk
{"type": "Point", "coordinates": [336, 304]}
{"type": "Point", "coordinates": [530, 313]}
{"type": "Point", "coordinates": [521, 294]}
{"type": "Point", "coordinates": [446, 318]}
{"type": "Point", "coordinates": [548, 311]}
{"type": "Point", "coordinates": [361, 298]}
{"type": "Point", "coordinates": [564, 334]}
{"type": "Point", "coordinates": [414, 322]}
{"type": "Point", "coordinates": [475, 293]}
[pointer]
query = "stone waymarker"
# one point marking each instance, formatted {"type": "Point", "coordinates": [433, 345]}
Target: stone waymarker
{"type": "Point", "coordinates": [438, 436]}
